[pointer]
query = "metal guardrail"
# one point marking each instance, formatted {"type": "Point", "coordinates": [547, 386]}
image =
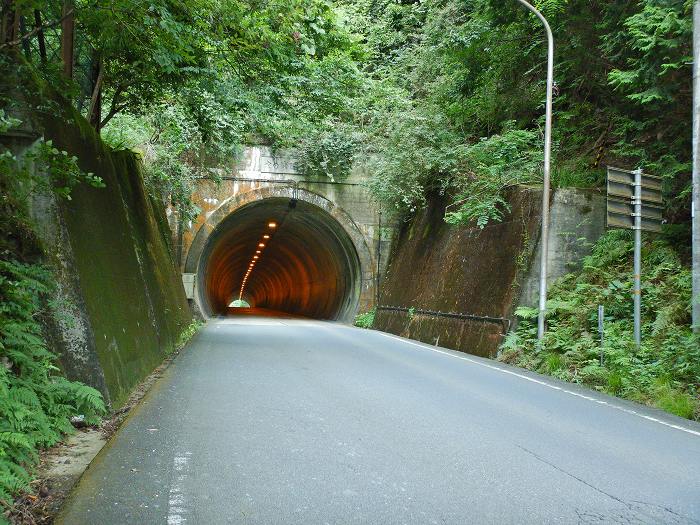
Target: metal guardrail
{"type": "Point", "coordinates": [505, 323]}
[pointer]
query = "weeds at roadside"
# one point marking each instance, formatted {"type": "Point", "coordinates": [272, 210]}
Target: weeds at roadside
{"type": "Point", "coordinates": [366, 320]}
{"type": "Point", "coordinates": [663, 373]}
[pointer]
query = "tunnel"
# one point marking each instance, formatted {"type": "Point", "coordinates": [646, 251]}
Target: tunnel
{"type": "Point", "coordinates": [281, 255]}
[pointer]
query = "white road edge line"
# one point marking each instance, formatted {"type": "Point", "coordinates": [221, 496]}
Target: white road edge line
{"type": "Point", "coordinates": [543, 383]}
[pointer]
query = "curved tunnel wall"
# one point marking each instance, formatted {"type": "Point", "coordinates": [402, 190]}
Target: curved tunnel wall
{"type": "Point", "coordinates": [309, 266]}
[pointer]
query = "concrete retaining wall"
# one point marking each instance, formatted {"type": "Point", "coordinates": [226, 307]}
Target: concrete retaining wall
{"type": "Point", "coordinates": [577, 220]}
{"type": "Point", "coordinates": [483, 273]}
{"type": "Point", "coordinates": [119, 307]}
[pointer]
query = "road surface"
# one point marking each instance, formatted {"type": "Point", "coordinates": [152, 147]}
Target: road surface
{"type": "Point", "coordinates": [265, 421]}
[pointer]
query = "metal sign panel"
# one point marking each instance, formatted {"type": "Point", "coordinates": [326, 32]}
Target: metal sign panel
{"type": "Point", "coordinates": [621, 208]}
{"type": "Point", "coordinates": [627, 177]}
{"type": "Point", "coordinates": [621, 184]}
{"type": "Point", "coordinates": [625, 207]}
{"type": "Point", "coordinates": [627, 221]}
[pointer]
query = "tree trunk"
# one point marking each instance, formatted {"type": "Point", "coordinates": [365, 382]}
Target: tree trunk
{"type": "Point", "coordinates": [10, 22]}
{"type": "Point", "coordinates": [68, 38]}
{"type": "Point", "coordinates": [40, 36]}
{"type": "Point", "coordinates": [96, 78]}
{"type": "Point", "coordinates": [25, 41]}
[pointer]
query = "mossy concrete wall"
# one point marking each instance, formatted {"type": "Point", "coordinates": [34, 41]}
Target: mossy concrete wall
{"type": "Point", "coordinates": [483, 273]}
{"type": "Point", "coordinates": [120, 306]}
{"type": "Point", "coordinates": [441, 267]}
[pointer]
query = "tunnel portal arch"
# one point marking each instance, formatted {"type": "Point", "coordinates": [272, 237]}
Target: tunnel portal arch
{"type": "Point", "coordinates": [317, 264]}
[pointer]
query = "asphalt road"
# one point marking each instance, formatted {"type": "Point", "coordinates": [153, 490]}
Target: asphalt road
{"type": "Point", "coordinates": [265, 421]}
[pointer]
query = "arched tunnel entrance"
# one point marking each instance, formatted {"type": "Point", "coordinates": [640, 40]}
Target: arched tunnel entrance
{"type": "Point", "coordinates": [280, 254]}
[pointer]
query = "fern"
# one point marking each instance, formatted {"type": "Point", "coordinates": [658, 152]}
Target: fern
{"type": "Point", "coordinates": [35, 403]}
{"type": "Point", "coordinates": [665, 372]}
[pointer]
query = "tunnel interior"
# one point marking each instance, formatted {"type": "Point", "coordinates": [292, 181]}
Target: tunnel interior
{"type": "Point", "coordinates": [281, 255]}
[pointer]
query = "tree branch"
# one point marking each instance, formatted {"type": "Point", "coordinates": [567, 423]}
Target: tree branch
{"type": "Point", "coordinates": [96, 92]}
{"type": "Point", "coordinates": [115, 107]}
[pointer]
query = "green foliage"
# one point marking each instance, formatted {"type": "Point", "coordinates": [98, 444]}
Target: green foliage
{"type": "Point", "coordinates": [42, 168]}
{"type": "Point", "coordinates": [7, 122]}
{"type": "Point", "coordinates": [35, 402]}
{"type": "Point", "coordinates": [288, 86]}
{"type": "Point", "coordinates": [665, 372]}
{"type": "Point", "coordinates": [495, 164]}
{"type": "Point", "coordinates": [62, 170]}
{"type": "Point", "coordinates": [240, 303]}
{"type": "Point", "coordinates": [176, 148]}
{"type": "Point", "coordinates": [448, 80]}
{"type": "Point", "coordinates": [438, 96]}
{"type": "Point", "coordinates": [659, 39]}
{"type": "Point", "coordinates": [189, 332]}
{"type": "Point", "coordinates": [366, 320]}
{"type": "Point", "coordinates": [327, 152]}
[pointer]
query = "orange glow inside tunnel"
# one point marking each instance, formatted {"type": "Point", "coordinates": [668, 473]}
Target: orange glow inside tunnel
{"type": "Point", "coordinates": [308, 266]}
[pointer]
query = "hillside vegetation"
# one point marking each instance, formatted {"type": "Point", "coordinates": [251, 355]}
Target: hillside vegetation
{"type": "Point", "coordinates": [664, 372]}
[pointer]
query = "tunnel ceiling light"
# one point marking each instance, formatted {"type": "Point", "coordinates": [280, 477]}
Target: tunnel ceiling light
{"type": "Point", "coordinates": [258, 251]}
{"type": "Point", "coordinates": [261, 245]}
{"type": "Point", "coordinates": [255, 256]}
{"type": "Point", "coordinates": [272, 225]}
{"type": "Point", "coordinates": [266, 236]}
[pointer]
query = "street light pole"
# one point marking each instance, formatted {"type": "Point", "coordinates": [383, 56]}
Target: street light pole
{"type": "Point", "coordinates": [544, 236]}
{"type": "Point", "coordinates": [695, 204]}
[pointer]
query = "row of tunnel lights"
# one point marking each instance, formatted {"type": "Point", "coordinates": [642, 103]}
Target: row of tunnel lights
{"type": "Point", "coordinates": [256, 257]}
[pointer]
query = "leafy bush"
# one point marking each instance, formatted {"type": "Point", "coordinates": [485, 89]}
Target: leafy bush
{"type": "Point", "coordinates": [35, 402]}
{"type": "Point", "coordinates": [177, 146]}
{"type": "Point", "coordinates": [664, 372]}
{"type": "Point", "coordinates": [494, 164]}
{"type": "Point", "coordinates": [42, 168]}
{"type": "Point", "coordinates": [327, 153]}
{"type": "Point", "coordinates": [366, 320]}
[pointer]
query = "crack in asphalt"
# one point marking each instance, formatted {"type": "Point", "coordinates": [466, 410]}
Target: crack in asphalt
{"type": "Point", "coordinates": [540, 458]}
{"type": "Point", "coordinates": [591, 517]}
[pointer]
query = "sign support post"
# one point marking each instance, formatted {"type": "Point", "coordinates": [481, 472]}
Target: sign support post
{"type": "Point", "coordinates": [695, 202]}
{"type": "Point", "coordinates": [635, 203]}
{"type": "Point", "coordinates": [638, 258]}
{"type": "Point", "coordinates": [601, 319]}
